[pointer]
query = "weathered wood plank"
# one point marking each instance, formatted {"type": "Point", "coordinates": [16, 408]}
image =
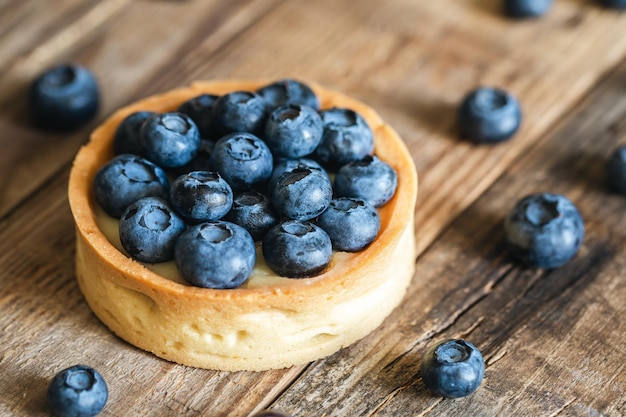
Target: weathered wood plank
{"type": "Point", "coordinates": [414, 61]}
{"type": "Point", "coordinates": [46, 326]}
{"type": "Point", "coordinates": [552, 339]}
{"type": "Point", "coordinates": [124, 44]}
{"type": "Point", "coordinates": [25, 25]}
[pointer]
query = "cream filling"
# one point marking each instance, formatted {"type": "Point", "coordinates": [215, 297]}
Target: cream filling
{"type": "Point", "coordinates": [261, 276]}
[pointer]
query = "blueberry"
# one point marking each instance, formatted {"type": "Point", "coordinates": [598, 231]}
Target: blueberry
{"type": "Point", "coordinates": [200, 162]}
{"type": "Point", "coordinates": [297, 249]}
{"type": "Point", "coordinates": [243, 160]}
{"type": "Point", "coordinates": [200, 110]}
{"type": "Point", "coordinates": [614, 4]}
{"type": "Point", "coordinates": [293, 131]}
{"type": "Point", "coordinates": [254, 212]}
{"type": "Point", "coordinates": [544, 230]}
{"type": "Point", "coordinates": [127, 134]}
{"type": "Point", "coordinates": [351, 223]}
{"type": "Point", "coordinates": [170, 139]}
{"type": "Point", "coordinates": [520, 9]}
{"type": "Point", "coordinates": [283, 165]}
{"type": "Point", "coordinates": [369, 178]}
{"type": "Point", "coordinates": [616, 170]}
{"type": "Point", "coordinates": [201, 195]}
{"type": "Point", "coordinates": [302, 194]}
{"type": "Point", "coordinates": [271, 413]}
{"type": "Point", "coordinates": [489, 115]}
{"type": "Point", "coordinates": [125, 179]}
{"type": "Point", "coordinates": [453, 368]}
{"type": "Point", "coordinates": [215, 255]}
{"type": "Point", "coordinates": [289, 91]}
{"type": "Point", "coordinates": [78, 391]}
{"type": "Point", "coordinates": [347, 137]}
{"type": "Point", "coordinates": [149, 228]}
{"type": "Point", "coordinates": [64, 97]}
{"type": "Point", "coordinates": [240, 111]}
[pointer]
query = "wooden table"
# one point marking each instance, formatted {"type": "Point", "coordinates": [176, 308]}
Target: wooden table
{"type": "Point", "coordinates": [553, 340]}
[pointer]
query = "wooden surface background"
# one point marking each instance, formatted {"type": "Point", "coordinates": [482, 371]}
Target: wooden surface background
{"type": "Point", "coordinates": [553, 340]}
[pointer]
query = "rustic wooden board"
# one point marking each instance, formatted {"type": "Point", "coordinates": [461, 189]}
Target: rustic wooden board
{"type": "Point", "coordinates": [552, 339]}
{"type": "Point", "coordinates": [125, 44]}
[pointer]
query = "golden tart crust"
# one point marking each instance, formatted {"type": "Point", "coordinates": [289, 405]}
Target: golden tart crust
{"type": "Point", "coordinates": [257, 327]}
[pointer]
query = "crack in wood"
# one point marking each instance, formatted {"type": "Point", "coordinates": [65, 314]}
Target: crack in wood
{"type": "Point", "coordinates": [563, 407]}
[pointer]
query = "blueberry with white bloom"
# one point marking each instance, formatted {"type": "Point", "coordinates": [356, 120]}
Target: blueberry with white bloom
{"type": "Point", "coordinates": [347, 137]}
{"type": "Point", "coordinates": [371, 179]}
{"type": "Point", "coordinates": [216, 254]}
{"type": "Point", "coordinates": [544, 230]}
{"type": "Point", "coordinates": [351, 223]}
{"type": "Point", "coordinates": [453, 368]}
{"type": "Point", "coordinates": [489, 115]}
{"type": "Point", "coordinates": [297, 249]}
{"type": "Point", "coordinates": [125, 179]}
{"type": "Point", "coordinates": [170, 139]}
{"type": "Point", "coordinates": [78, 391]}
{"type": "Point", "coordinates": [240, 111]}
{"type": "Point", "coordinates": [302, 194]}
{"type": "Point", "coordinates": [293, 131]}
{"type": "Point", "coordinates": [149, 228]}
{"type": "Point", "coordinates": [243, 159]}
{"type": "Point", "coordinates": [289, 91]}
{"type": "Point", "coordinates": [64, 97]}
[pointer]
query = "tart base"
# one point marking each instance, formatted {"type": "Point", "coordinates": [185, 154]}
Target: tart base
{"type": "Point", "coordinates": [277, 325]}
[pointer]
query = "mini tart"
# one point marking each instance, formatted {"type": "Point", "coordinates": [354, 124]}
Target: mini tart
{"type": "Point", "coordinates": [273, 322]}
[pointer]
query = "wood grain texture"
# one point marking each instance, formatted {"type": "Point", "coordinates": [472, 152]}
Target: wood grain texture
{"type": "Point", "coordinates": [124, 44]}
{"type": "Point", "coordinates": [553, 340]}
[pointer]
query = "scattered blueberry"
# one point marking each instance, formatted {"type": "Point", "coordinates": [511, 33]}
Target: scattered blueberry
{"type": "Point", "coordinates": [302, 194]}
{"type": "Point", "coordinates": [289, 92]}
{"type": "Point", "coordinates": [297, 249]}
{"type": "Point", "coordinates": [283, 165]}
{"type": "Point", "coordinates": [170, 139]}
{"type": "Point", "coordinates": [127, 134]}
{"type": "Point", "coordinates": [201, 195]}
{"type": "Point", "coordinates": [125, 179]}
{"type": "Point", "coordinates": [369, 178]}
{"type": "Point", "coordinates": [489, 115]}
{"type": "Point", "coordinates": [243, 160]}
{"type": "Point", "coordinates": [78, 391]}
{"type": "Point", "coordinates": [149, 228]}
{"type": "Point", "coordinates": [215, 255]}
{"type": "Point", "coordinates": [521, 9]}
{"type": "Point", "coordinates": [240, 111]}
{"type": "Point", "coordinates": [616, 170]}
{"type": "Point", "coordinates": [200, 110]}
{"type": "Point", "coordinates": [64, 97]}
{"type": "Point", "coordinates": [254, 212]}
{"type": "Point", "coordinates": [347, 137]}
{"type": "Point", "coordinates": [271, 413]}
{"type": "Point", "coordinates": [544, 230]}
{"type": "Point", "coordinates": [453, 368]}
{"type": "Point", "coordinates": [614, 4]}
{"type": "Point", "coordinates": [293, 131]}
{"type": "Point", "coordinates": [351, 224]}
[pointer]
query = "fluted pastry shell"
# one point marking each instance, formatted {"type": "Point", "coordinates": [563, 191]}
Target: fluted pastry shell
{"type": "Point", "coordinates": [271, 322]}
